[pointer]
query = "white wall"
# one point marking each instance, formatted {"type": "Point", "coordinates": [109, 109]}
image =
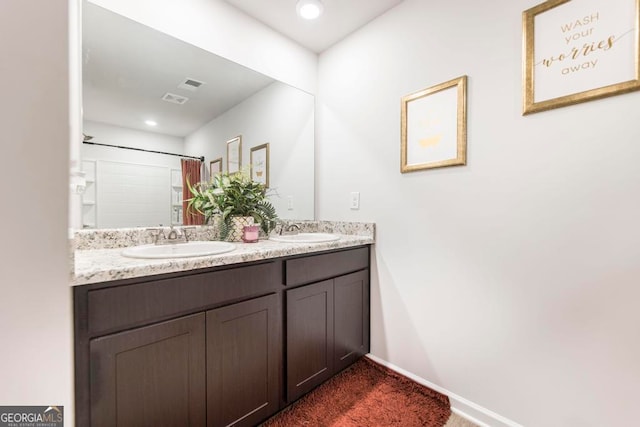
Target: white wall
{"type": "Point", "coordinates": [35, 307]}
{"type": "Point", "coordinates": [282, 116]}
{"type": "Point", "coordinates": [217, 27]}
{"type": "Point", "coordinates": [512, 281]}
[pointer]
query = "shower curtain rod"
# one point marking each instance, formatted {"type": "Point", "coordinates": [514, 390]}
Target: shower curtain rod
{"type": "Point", "coordinates": [201, 158]}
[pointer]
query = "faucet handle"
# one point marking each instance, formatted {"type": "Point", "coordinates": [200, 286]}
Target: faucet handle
{"type": "Point", "coordinates": [279, 227]}
{"type": "Point", "coordinates": [184, 232]}
{"type": "Point", "coordinates": [156, 233]}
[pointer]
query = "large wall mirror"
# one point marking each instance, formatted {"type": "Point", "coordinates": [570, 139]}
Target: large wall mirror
{"type": "Point", "coordinates": [147, 96]}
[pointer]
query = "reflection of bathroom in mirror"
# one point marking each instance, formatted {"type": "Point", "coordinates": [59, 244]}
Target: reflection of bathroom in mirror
{"type": "Point", "coordinates": [128, 68]}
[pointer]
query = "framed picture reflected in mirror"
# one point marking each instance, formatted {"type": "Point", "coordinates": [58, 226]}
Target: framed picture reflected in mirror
{"type": "Point", "coordinates": [234, 154]}
{"type": "Point", "coordinates": [215, 167]}
{"type": "Point", "coordinates": [260, 164]}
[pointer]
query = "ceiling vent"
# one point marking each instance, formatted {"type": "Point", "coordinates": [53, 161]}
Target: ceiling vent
{"type": "Point", "coordinates": [175, 99]}
{"type": "Point", "coordinates": [190, 84]}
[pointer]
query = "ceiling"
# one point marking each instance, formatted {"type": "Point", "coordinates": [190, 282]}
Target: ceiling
{"type": "Point", "coordinates": [128, 67]}
{"type": "Point", "coordinates": [339, 19]}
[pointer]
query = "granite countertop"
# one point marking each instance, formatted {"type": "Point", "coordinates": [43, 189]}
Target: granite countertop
{"type": "Point", "coordinates": [103, 265]}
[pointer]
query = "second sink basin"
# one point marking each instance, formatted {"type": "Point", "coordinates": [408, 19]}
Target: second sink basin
{"type": "Point", "coordinates": [179, 250]}
{"type": "Point", "coordinates": [305, 238]}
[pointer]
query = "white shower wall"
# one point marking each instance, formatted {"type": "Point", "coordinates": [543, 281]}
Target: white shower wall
{"type": "Point", "coordinates": [131, 188]}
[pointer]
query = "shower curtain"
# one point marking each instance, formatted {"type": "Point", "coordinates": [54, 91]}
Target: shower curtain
{"type": "Point", "coordinates": [191, 170]}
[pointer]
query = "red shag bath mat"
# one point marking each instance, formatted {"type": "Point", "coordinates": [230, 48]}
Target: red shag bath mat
{"type": "Point", "coordinates": [367, 394]}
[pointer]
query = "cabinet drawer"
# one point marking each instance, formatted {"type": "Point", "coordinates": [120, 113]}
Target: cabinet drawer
{"type": "Point", "coordinates": [314, 268]}
{"type": "Point", "coordinates": [125, 306]}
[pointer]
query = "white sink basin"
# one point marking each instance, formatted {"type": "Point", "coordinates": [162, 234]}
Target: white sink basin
{"type": "Point", "coordinates": [179, 250]}
{"type": "Point", "coordinates": [305, 238]}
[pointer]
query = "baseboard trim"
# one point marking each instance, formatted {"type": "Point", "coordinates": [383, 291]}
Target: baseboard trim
{"type": "Point", "coordinates": [469, 418]}
{"type": "Point", "coordinates": [467, 409]}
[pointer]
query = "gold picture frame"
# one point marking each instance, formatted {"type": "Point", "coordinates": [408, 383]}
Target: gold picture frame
{"type": "Point", "coordinates": [215, 167]}
{"type": "Point", "coordinates": [579, 55]}
{"type": "Point", "coordinates": [259, 159]}
{"type": "Point", "coordinates": [234, 154]}
{"type": "Point", "coordinates": [434, 127]}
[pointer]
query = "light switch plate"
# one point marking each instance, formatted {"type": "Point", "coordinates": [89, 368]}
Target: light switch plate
{"type": "Point", "coordinates": [355, 200]}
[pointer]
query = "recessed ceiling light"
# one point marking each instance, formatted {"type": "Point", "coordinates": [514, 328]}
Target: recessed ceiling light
{"type": "Point", "coordinates": [150, 123]}
{"type": "Point", "coordinates": [309, 9]}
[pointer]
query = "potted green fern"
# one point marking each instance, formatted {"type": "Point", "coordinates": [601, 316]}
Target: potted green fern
{"type": "Point", "coordinates": [237, 200]}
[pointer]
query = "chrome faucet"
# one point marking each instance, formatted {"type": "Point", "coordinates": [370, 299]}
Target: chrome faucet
{"type": "Point", "coordinates": [175, 235]}
{"type": "Point", "coordinates": [292, 228]}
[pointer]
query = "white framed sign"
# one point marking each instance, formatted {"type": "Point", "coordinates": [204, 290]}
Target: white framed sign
{"type": "Point", "coordinates": [579, 50]}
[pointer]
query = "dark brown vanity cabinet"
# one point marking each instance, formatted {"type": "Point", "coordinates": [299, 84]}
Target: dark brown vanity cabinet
{"type": "Point", "coordinates": [206, 347]}
{"type": "Point", "coordinates": [309, 337]}
{"type": "Point", "coordinates": [244, 361]}
{"type": "Point", "coordinates": [351, 318]}
{"type": "Point", "coordinates": [150, 376]}
{"type": "Point", "coordinates": [194, 350]}
{"type": "Point", "coordinates": [327, 321]}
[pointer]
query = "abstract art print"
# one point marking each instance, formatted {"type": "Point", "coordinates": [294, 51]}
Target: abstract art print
{"type": "Point", "coordinates": [434, 127]}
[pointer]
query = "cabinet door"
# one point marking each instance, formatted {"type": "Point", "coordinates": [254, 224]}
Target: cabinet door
{"type": "Point", "coordinates": [351, 305]}
{"type": "Point", "coordinates": [309, 337]}
{"type": "Point", "coordinates": [244, 360]}
{"type": "Point", "coordinates": [150, 376]}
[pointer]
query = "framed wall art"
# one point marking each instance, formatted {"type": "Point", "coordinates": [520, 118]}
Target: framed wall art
{"type": "Point", "coordinates": [215, 167]}
{"type": "Point", "coordinates": [579, 50]}
{"type": "Point", "coordinates": [234, 154]}
{"type": "Point", "coordinates": [260, 164]}
{"type": "Point", "coordinates": [434, 127]}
